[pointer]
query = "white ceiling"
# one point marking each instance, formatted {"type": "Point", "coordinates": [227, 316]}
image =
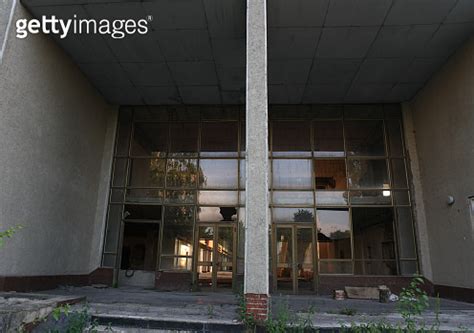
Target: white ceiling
{"type": "Point", "coordinates": [320, 51]}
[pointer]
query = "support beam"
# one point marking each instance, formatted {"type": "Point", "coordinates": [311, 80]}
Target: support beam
{"type": "Point", "coordinates": [257, 212]}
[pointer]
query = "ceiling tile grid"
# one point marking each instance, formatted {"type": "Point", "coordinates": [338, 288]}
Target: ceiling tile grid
{"type": "Point", "coordinates": [319, 51]}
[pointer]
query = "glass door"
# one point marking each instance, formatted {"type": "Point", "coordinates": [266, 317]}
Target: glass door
{"type": "Point", "coordinates": [294, 258]}
{"type": "Point", "coordinates": [215, 256]}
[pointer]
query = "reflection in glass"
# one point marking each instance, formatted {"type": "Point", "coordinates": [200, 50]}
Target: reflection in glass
{"type": "Point", "coordinates": [331, 198]}
{"type": "Point", "coordinates": [335, 267]}
{"type": "Point", "coordinates": [368, 174]}
{"type": "Point", "coordinates": [146, 172]}
{"type": "Point", "coordinates": [293, 198]}
{"type": "Point", "coordinates": [150, 139]}
{"type": "Point", "coordinates": [217, 214]}
{"type": "Point", "coordinates": [374, 240]}
{"type": "Point", "coordinates": [178, 196]}
{"type": "Point", "coordinates": [225, 250]}
{"type": "Point", "coordinates": [364, 137]}
{"type": "Point", "coordinates": [394, 137]}
{"type": "Point", "coordinates": [371, 197]}
{"type": "Point", "coordinates": [179, 215]}
{"type": "Point", "coordinates": [144, 195]}
{"type": "Point", "coordinates": [406, 248]}
{"type": "Point", "coordinates": [292, 174]}
{"type": "Point", "coordinates": [399, 176]}
{"type": "Point", "coordinates": [330, 174]}
{"type": "Point", "coordinates": [182, 263]}
{"type": "Point", "coordinates": [328, 138]}
{"type": "Point", "coordinates": [120, 170]}
{"type": "Point", "coordinates": [293, 215]}
{"type": "Point", "coordinates": [219, 138]}
{"type": "Point", "coordinates": [408, 267]}
{"type": "Point", "coordinates": [114, 220]}
{"type": "Point", "coordinates": [183, 138]}
{"type": "Point", "coordinates": [181, 173]}
{"type": "Point", "coordinates": [218, 198]}
{"type": "Point", "coordinates": [305, 249]}
{"type": "Point", "coordinates": [243, 175]}
{"type": "Point", "coordinates": [291, 138]}
{"type": "Point", "coordinates": [123, 133]}
{"type": "Point", "coordinates": [284, 258]}
{"type": "Point", "coordinates": [219, 174]}
{"type": "Point", "coordinates": [334, 234]}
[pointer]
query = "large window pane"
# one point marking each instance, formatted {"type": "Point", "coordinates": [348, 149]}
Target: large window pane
{"type": "Point", "coordinates": [219, 139]}
{"type": "Point", "coordinates": [292, 174]}
{"type": "Point", "coordinates": [364, 137]}
{"type": "Point", "coordinates": [181, 173]}
{"type": "Point", "coordinates": [291, 138]}
{"type": "Point", "coordinates": [183, 138]}
{"type": "Point", "coordinates": [150, 139]}
{"type": "Point", "coordinates": [180, 196]}
{"type": "Point", "coordinates": [218, 174]}
{"type": "Point", "coordinates": [120, 171]}
{"type": "Point", "coordinates": [144, 195]}
{"type": "Point", "coordinates": [394, 133]}
{"type": "Point", "coordinates": [330, 174]}
{"type": "Point", "coordinates": [399, 176]}
{"type": "Point", "coordinates": [368, 174]}
{"type": "Point", "coordinates": [218, 198]}
{"type": "Point", "coordinates": [328, 138]}
{"type": "Point", "coordinates": [146, 172]}
{"type": "Point", "coordinates": [179, 215]}
{"type": "Point", "coordinates": [114, 220]}
{"type": "Point", "coordinates": [123, 133]}
{"type": "Point", "coordinates": [217, 214]}
{"type": "Point", "coordinates": [406, 240]}
{"type": "Point", "coordinates": [371, 197]}
{"type": "Point", "coordinates": [293, 198]}
{"type": "Point", "coordinates": [286, 215]}
{"type": "Point", "coordinates": [335, 267]}
{"type": "Point", "coordinates": [334, 234]}
{"type": "Point", "coordinates": [373, 233]}
{"type": "Point", "coordinates": [332, 198]}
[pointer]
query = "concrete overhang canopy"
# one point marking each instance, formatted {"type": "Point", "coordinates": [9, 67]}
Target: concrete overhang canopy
{"type": "Point", "coordinates": [319, 51]}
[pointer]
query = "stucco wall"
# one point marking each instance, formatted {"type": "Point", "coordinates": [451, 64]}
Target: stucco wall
{"type": "Point", "coordinates": [443, 121]}
{"type": "Point", "coordinates": [56, 134]}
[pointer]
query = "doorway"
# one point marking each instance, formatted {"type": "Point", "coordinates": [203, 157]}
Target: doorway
{"type": "Point", "coordinates": [215, 256]}
{"type": "Point", "coordinates": [294, 258]}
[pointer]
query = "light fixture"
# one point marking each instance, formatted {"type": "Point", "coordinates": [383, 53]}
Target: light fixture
{"type": "Point", "coordinates": [386, 193]}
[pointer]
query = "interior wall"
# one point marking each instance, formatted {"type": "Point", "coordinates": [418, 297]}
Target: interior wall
{"type": "Point", "coordinates": [443, 121]}
{"type": "Point", "coordinates": [55, 132]}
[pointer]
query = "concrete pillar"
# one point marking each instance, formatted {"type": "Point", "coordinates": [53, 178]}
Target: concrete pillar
{"type": "Point", "coordinates": [257, 216]}
{"type": "Point", "coordinates": [421, 227]}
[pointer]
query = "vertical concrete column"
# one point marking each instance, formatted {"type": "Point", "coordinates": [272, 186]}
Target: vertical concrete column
{"type": "Point", "coordinates": [257, 216]}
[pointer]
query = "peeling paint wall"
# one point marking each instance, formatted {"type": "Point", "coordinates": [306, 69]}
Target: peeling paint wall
{"type": "Point", "coordinates": [56, 135]}
{"type": "Point", "coordinates": [443, 121]}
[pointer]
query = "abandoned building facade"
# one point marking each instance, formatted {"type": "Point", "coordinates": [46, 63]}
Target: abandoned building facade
{"type": "Point", "coordinates": [275, 146]}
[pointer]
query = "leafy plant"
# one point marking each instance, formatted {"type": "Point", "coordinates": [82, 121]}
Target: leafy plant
{"type": "Point", "coordinates": [348, 311]}
{"type": "Point", "coordinates": [8, 233]}
{"type": "Point", "coordinates": [413, 302]}
{"type": "Point", "coordinates": [246, 318]}
{"type": "Point", "coordinates": [74, 321]}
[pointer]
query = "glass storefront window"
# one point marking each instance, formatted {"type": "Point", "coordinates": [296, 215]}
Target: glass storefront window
{"type": "Point", "coordinates": [364, 137]}
{"type": "Point", "coordinates": [291, 138]}
{"type": "Point", "coordinates": [292, 174]}
{"type": "Point", "coordinates": [145, 172]}
{"type": "Point", "coordinates": [218, 174]}
{"type": "Point", "coordinates": [150, 139]}
{"type": "Point", "coordinates": [328, 138]}
{"type": "Point", "coordinates": [181, 173]}
{"type": "Point", "coordinates": [219, 139]}
{"type": "Point", "coordinates": [184, 138]}
{"type": "Point", "coordinates": [368, 174]}
{"type": "Point", "coordinates": [334, 234]}
{"type": "Point", "coordinates": [330, 174]}
{"type": "Point", "coordinates": [288, 215]}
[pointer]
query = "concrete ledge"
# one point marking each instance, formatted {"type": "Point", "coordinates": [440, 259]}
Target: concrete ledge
{"type": "Point", "coordinates": [46, 282]}
{"type": "Point", "coordinates": [455, 293]}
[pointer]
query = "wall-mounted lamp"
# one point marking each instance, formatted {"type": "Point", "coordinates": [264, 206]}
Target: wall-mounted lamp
{"type": "Point", "coordinates": [450, 201]}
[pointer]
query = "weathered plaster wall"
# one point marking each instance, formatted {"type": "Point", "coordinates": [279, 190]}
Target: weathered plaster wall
{"type": "Point", "coordinates": [55, 143]}
{"type": "Point", "coordinates": [443, 121]}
